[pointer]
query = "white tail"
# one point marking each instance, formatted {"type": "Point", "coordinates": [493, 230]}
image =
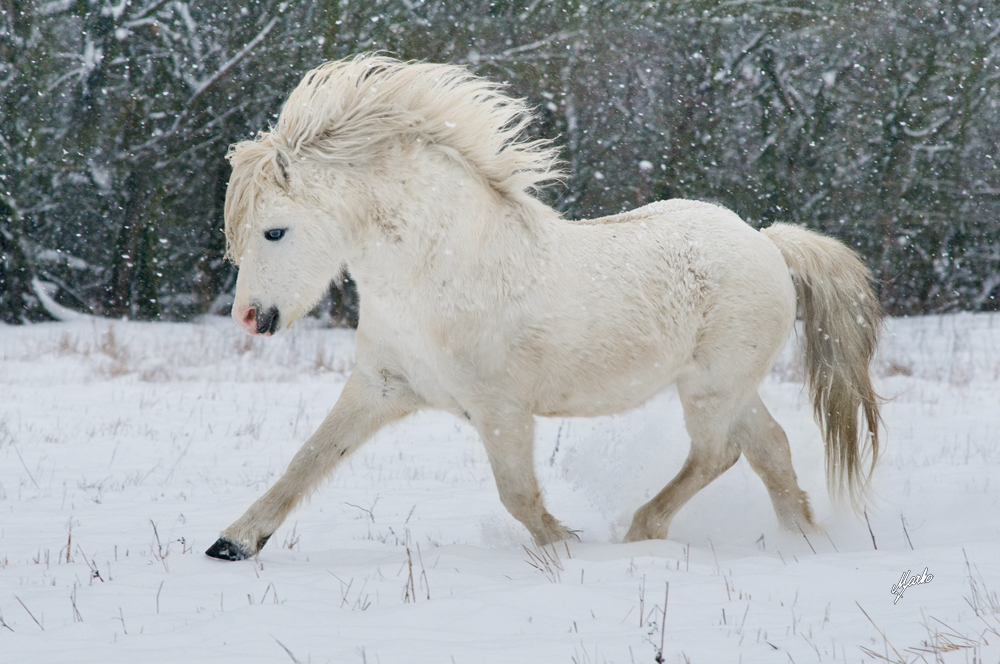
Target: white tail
{"type": "Point", "coordinates": [841, 317]}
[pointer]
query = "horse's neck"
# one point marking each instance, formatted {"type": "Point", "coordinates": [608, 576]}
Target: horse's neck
{"type": "Point", "coordinates": [431, 221]}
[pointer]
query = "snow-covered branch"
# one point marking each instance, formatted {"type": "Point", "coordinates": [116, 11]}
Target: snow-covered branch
{"type": "Point", "coordinates": [207, 83]}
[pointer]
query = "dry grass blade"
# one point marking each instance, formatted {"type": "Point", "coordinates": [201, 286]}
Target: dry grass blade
{"type": "Point", "coordinates": [901, 659]}
{"type": "Point", "coordinates": [30, 477]}
{"type": "Point", "coordinates": [870, 532]}
{"type": "Point", "coordinates": [91, 564]}
{"type": "Point", "coordinates": [663, 625]}
{"type": "Point", "coordinates": [409, 588]}
{"type": "Point", "coordinates": [548, 563]}
{"type": "Point", "coordinates": [942, 642]}
{"type": "Point", "coordinates": [285, 648]}
{"type": "Point", "coordinates": [875, 655]}
{"type": "Point", "coordinates": [29, 613]}
{"type": "Point", "coordinates": [806, 538]}
{"type": "Point", "coordinates": [905, 531]}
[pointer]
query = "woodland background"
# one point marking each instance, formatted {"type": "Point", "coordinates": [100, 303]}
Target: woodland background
{"type": "Point", "coordinates": [874, 121]}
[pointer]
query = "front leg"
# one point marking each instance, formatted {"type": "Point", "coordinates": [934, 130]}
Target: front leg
{"type": "Point", "coordinates": [370, 400]}
{"type": "Point", "coordinates": [509, 437]}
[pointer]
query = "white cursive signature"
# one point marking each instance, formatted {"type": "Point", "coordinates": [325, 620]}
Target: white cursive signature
{"type": "Point", "coordinates": [904, 583]}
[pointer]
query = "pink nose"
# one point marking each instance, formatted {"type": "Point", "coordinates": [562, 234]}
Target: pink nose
{"type": "Point", "coordinates": [249, 320]}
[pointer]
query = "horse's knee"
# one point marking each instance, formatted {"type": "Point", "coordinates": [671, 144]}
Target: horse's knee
{"type": "Point", "coordinates": [727, 457]}
{"type": "Point", "coordinates": [705, 463]}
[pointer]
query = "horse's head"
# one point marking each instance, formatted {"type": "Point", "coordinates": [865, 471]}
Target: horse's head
{"type": "Point", "coordinates": [284, 241]}
{"type": "Point", "coordinates": [349, 136]}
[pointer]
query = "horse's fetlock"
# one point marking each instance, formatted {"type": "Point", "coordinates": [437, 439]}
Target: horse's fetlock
{"type": "Point", "coordinates": [552, 531]}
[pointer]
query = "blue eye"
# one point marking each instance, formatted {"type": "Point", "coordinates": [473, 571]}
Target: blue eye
{"type": "Point", "coordinates": [275, 234]}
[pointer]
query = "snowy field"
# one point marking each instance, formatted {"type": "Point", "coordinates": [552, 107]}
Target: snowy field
{"type": "Point", "coordinates": [125, 448]}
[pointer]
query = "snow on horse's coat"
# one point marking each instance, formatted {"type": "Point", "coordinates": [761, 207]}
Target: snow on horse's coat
{"type": "Point", "coordinates": [478, 299]}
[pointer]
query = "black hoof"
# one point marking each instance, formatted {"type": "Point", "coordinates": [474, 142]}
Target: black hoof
{"type": "Point", "coordinates": [224, 549]}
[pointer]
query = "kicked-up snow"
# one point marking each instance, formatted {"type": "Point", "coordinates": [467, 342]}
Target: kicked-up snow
{"type": "Point", "coordinates": [126, 447]}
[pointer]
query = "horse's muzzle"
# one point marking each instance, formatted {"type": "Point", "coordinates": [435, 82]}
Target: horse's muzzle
{"type": "Point", "coordinates": [254, 320]}
{"type": "Point", "coordinates": [267, 321]}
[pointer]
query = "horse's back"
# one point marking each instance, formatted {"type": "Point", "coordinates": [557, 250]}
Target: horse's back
{"type": "Point", "coordinates": [700, 256]}
{"type": "Point", "coordinates": [638, 299]}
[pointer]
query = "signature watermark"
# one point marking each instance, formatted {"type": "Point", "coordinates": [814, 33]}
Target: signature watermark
{"type": "Point", "coordinates": [899, 588]}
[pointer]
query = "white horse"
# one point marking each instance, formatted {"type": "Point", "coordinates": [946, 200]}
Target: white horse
{"type": "Point", "coordinates": [479, 300]}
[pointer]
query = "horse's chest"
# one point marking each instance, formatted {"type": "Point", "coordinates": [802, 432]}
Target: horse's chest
{"type": "Point", "coordinates": [421, 350]}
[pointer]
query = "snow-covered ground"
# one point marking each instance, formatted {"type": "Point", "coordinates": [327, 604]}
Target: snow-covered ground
{"type": "Point", "coordinates": [126, 447]}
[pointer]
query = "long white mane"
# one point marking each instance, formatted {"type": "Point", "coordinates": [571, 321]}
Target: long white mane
{"type": "Point", "coordinates": [344, 110]}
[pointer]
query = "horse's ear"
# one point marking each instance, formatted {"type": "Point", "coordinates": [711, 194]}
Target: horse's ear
{"type": "Point", "coordinates": [284, 167]}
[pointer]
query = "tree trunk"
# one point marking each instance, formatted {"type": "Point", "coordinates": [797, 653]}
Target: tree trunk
{"type": "Point", "coordinates": [18, 302]}
{"type": "Point", "coordinates": [120, 293]}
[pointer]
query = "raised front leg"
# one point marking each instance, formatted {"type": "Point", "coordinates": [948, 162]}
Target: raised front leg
{"type": "Point", "coordinates": [366, 405]}
{"type": "Point", "coordinates": [509, 438]}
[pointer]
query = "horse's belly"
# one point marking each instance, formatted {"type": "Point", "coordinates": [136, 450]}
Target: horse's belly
{"type": "Point", "coordinates": [592, 391]}
{"type": "Point", "coordinates": [601, 405]}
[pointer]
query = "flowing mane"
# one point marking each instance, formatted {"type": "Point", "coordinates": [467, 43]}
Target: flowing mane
{"type": "Point", "coordinates": [343, 111]}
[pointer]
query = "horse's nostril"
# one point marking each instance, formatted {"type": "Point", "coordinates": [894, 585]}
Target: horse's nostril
{"type": "Point", "coordinates": [267, 321]}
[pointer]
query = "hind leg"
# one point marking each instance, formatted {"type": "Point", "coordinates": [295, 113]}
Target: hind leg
{"type": "Point", "coordinates": [707, 416]}
{"type": "Point", "coordinates": [765, 445]}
